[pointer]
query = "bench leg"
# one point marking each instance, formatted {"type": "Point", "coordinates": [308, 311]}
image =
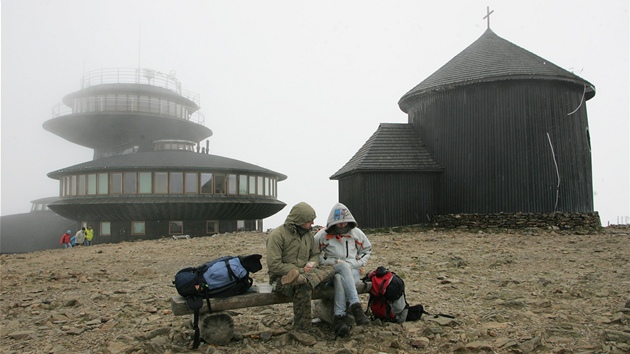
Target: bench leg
{"type": "Point", "coordinates": [216, 328]}
{"type": "Point", "coordinates": [324, 310]}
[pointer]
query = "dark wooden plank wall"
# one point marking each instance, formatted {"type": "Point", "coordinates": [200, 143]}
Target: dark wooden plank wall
{"type": "Point", "coordinates": [389, 199]}
{"type": "Point", "coordinates": [492, 141]}
{"type": "Point", "coordinates": [121, 230]}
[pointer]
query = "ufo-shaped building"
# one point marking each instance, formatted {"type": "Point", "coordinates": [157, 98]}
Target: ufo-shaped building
{"type": "Point", "coordinates": [150, 176]}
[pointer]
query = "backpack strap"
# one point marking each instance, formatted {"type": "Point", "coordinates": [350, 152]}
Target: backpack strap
{"type": "Point", "coordinates": [229, 269]}
{"type": "Point", "coordinates": [195, 304]}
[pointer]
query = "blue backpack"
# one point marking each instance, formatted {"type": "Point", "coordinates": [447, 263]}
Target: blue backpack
{"type": "Point", "coordinates": [222, 277]}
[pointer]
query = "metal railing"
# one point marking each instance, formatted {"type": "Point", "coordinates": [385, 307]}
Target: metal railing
{"type": "Point", "coordinates": [137, 76]}
{"type": "Point", "coordinates": [122, 104]}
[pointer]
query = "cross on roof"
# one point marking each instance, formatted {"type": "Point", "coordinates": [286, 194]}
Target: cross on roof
{"type": "Point", "coordinates": [488, 15]}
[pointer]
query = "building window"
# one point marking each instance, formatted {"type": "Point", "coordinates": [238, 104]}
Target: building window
{"type": "Point", "coordinates": [106, 228]}
{"type": "Point", "coordinates": [130, 185]}
{"type": "Point", "coordinates": [144, 182]}
{"type": "Point", "coordinates": [231, 184]}
{"type": "Point", "coordinates": [206, 183]}
{"type": "Point", "coordinates": [219, 184]}
{"type": "Point", "coordinates": [137, 228]}
{"type": "Point", "coordinates": [81, 184]}
{"type": "Point", "coordinates": [116, 183]}
{"type": "Point", "coordinates": [267, 186]}
{"type": "Point", "coordinates": [252, 184]}
{"type": "Point", "coordinates": [161, 183]}
{"type": "Point", "coordinates": [176, 183]}
{"type": "Point", "coordinates": [212, 227]}
{"type": "Point", "coordinates": [242, 184]}
{"type": "Point", "coordinates": [191, 183]}
{"type": "Point", "coordinates": [91, 184]}
{"type": "Point", "coordinates": [103, 183]}
{"type": "Point", "coordinates": [240, 225]}
{"type": "Point", "coordinates": [260, 185]}
{"type": "Point", "coordinates": [65, 185]}
{"type": "Point", "coordinates": [176, 227]}
{"type": "Point", "coordinates": [73, 185]}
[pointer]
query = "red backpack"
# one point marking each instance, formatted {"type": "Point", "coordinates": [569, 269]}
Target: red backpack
{"type": "Point", "coordinates": [387, 287]}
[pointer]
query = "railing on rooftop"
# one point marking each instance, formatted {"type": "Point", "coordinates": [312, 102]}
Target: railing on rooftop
{"type": "Point", "coordinates": [137, 76]}
{"type": "Point", "coordinates": [124, 103]}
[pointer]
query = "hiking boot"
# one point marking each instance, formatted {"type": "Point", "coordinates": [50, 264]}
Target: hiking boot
{"type": "Point", "coordinates": [303, 337]}
{"type": "Point", "coordinates": [339, 326]}
{"type": "Point", "coordinates": [293, 277]}
{"type": "Point", "coordinates": [359, 316]}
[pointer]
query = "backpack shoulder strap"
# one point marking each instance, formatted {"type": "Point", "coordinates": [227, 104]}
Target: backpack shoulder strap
{"type": "Point", "coordinates": [195, 303]}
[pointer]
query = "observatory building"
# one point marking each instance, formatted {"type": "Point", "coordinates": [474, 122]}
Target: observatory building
{"type": "Point", "coordinates": [151, 175]}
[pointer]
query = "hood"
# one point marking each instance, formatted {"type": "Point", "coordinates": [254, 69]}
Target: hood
{"type": "Point", "coordinates": [340, 213]}
{"type": "Point", "coordinates": [300, 214]}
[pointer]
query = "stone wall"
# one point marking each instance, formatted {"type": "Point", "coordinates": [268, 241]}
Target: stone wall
{"type": "Point", "coordinates": [562, 221]}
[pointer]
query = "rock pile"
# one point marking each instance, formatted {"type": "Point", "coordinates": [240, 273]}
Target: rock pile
{"type": "Point", "coordinates": [558, 221]}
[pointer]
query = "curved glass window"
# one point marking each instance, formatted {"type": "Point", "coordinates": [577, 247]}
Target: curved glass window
{"type": "Point", "coordinates": [144, 182]}
{"type": "Point", "coordinates": [103, 183]}
{"type": "Point", "coordinates": [219, 184]}
{"type": "Point", "coordinates": [260, 186]}
{"type": "Point", "coordinates": [242, 184]}
{"type": "Point", "coordinates": [81, 184]}
{"type": "Point", "coordinates": [166, 183]}
{"type": "Point", "coordinates": [116, 183]}
{"type": "Point", "coordinates": [130, 183]}
{"type": "Point", "coordinates": [176, 183]}
{"type": "Point", "coordinates": [252, 184]}
{"type": "Point", "coordinates": [91, 184]}
{"type": "Point", "coordinates": [231, 184]}
{"type": "Point", "coordinates": [206, 183]}
{"type": "Point", "coordinates": [191, 183]}
{"type": "Point", "coordinates": [161, 183]}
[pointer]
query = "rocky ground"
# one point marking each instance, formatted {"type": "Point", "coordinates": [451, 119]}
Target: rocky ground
{"type": "Point", "coordinates": [510, 291]}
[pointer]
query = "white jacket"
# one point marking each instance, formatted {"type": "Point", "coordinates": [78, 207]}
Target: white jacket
{"type": "Point", "coordinates": [353, 246]}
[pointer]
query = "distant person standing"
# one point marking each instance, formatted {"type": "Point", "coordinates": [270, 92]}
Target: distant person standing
{"type": "Point", "coordinates": [65, 239]}
{"type": "Point", "coordinates": [89, 234]}
{"type": "Point", "coordinates": [80, 236]}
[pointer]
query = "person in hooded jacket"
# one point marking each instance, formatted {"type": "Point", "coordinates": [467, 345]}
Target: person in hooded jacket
{"type": "Point", "coordinates": [65, 239]}
{"type": "Point", "coordinates": [346, 247]}
{"type": "Point", "coordinates": [80, 237]}
{"type": "Point", "coordinates": [292, 261]}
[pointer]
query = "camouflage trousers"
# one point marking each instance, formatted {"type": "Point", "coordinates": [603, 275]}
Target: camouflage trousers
{"type": "Point", "coordinates": [303, 293]}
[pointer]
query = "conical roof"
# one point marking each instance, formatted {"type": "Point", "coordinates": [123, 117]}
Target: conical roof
{"type": "Point", "coordinates": [492, 58]}
{"type": "Point", "coordinates": [394, 147]}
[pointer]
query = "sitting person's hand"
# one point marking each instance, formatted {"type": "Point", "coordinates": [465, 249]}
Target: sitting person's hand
{"type": "Point", "coordinates": [309, 266]}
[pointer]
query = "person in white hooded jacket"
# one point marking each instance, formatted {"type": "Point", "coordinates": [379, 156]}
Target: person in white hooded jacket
{"type": "Point", "coordinates": [346, 247]}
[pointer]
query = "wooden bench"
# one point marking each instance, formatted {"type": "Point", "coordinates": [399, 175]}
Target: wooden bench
{"type": "Point", "coordinates": [219, 329]}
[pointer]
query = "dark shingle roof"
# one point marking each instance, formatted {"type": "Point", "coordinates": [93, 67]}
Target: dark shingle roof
{"type": "Point", "coordinates": [492, 58]}
{"type": "Point", "coordinates": [166, 160]}
{"type": "Point", "coordinates": [392, 148]}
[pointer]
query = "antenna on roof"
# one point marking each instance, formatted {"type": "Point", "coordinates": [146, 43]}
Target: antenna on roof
{"type": "Point", "coordinates": [139, 46]}
{"type": "Point", "coordinates": [488, 12]}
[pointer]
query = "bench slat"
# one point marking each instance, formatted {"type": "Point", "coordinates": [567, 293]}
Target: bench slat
{"type": "Point", "coordinates": [179, 307]}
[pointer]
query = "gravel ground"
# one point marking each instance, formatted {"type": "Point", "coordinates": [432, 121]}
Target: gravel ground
{"type": "Point", "coordinates": [510, 291]}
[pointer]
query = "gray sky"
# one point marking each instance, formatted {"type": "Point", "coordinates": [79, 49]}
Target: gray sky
{"type": "Point", "coordinates": [294, 86]}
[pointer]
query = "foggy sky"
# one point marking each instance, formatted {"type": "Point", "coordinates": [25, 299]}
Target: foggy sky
{"type": "Point", "coordinates": [294, 86]}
